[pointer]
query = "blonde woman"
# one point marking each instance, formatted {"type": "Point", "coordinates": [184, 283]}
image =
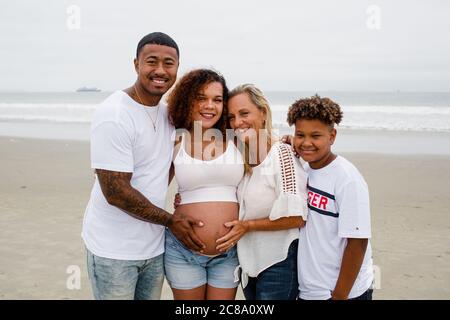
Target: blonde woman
{"type": "Point", "coordinates": [272, 199]}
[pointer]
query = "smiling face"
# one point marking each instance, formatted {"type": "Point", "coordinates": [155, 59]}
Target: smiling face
{"type": "Point", "coordinates": [313, 140]}
{"type": "Point", "coordinates": [208, 105]}
{"type": "Point", "coordinates": [245, 117]}
{"type": "Point", "coordinates": [157, 67]}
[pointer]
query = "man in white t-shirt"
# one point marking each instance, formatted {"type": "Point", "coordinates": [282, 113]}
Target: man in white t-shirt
{"type": "Point", "coordinates": [131, 152]}
{"type": "Point", "coordinates": [334, 253]}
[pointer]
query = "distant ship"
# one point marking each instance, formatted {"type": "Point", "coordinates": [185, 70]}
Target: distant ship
{"type": "Point", "coordinates": [88, 89]}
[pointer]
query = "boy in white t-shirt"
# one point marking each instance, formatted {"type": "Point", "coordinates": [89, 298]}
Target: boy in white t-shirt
{"type": "Point", "coordinates": [334, 252]}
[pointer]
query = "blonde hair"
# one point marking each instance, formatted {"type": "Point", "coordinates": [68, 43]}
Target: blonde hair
{"type": "Point", "coordinates": [259, 100]}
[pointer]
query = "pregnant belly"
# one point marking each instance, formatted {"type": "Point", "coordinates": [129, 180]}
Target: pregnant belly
{"type": "Point", "coordinates": [213, 215]}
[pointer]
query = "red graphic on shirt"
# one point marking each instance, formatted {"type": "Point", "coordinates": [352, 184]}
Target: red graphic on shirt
{"type": "Point", "coordinates": [317, 200]}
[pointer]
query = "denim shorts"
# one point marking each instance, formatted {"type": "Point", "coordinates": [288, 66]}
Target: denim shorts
{"type": "Point", "coordinates": [187, 270]}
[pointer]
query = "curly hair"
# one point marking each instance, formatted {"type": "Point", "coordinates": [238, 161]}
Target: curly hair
{"type": "Point", "coordinates": [315, 108]}
{"type": "Point", "coordinates": [181, 100]}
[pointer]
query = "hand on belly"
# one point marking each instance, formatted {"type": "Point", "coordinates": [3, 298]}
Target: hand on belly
{"type": "Point", "coordinates": [213, 215]}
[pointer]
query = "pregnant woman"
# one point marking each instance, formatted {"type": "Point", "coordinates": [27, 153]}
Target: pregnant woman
{"type": "Point", "coordinates": [208, 169]}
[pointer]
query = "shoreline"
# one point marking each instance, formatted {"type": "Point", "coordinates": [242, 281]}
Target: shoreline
{"type": "Point", "coordinates": [46, 185]}
{"type": "Point", "coordinates": [348, 140]}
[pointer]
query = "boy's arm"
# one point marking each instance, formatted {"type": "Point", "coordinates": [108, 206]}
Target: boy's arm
{"type": "Point", "coordinates": [351, 264]}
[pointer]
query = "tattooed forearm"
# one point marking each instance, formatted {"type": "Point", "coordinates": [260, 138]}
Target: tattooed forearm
{"type": "Point", "coordinates": [118, 192]}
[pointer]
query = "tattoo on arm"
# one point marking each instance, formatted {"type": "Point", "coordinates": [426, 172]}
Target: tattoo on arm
{"type": "Point", "coordinates": [118, 192]}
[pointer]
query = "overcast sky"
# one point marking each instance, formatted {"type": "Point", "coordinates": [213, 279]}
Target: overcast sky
{"type": "Point", "coordinates": [278, 45]}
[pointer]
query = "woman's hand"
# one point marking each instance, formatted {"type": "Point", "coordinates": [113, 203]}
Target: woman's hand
{"type": "Point", "coordinates": [176, 201]}
{"type": "Point", "coordinates": [238, 229]}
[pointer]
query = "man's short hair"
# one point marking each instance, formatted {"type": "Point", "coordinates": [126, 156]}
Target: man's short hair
{"type": "Point", "coordinates": [157, 38]}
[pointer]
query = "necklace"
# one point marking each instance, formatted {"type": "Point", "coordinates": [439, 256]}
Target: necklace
{"type": "Point", "coordinates": [157, 109]}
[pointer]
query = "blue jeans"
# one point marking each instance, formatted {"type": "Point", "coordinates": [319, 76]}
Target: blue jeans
{"type": "Point", "coordinates": [113, 279]}
{"type": "Point", "coordinates": [278, 282]}
{"type": "Point", "coordinates": [365, 296]}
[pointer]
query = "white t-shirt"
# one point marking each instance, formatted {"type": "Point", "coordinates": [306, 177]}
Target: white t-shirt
{"type": "Point", "coordinates": [275, 189]}
{"type": "Point", "coordinates": [338, 201]}
{"type": "Point", "coordinates": [123, 139]}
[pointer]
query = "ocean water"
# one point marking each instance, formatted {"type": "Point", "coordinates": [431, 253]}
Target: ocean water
{"type": "Point", "coordinates": [379, 116]}
{"type": "Point", "coordinates": [412, 111]}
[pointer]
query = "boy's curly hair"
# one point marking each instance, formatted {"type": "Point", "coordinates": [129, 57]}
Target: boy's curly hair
{"type": "Point", "coordinates": [315, 108]}
{"type": "Point", "coordinates": [181, 100]}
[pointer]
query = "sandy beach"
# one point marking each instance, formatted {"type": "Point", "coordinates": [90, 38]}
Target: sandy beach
{"type": "Point", "coordinates": [45, 186]}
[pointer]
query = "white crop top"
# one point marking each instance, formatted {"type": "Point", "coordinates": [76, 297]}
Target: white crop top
{"type": "Point", "coordinates": [212, 180]}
